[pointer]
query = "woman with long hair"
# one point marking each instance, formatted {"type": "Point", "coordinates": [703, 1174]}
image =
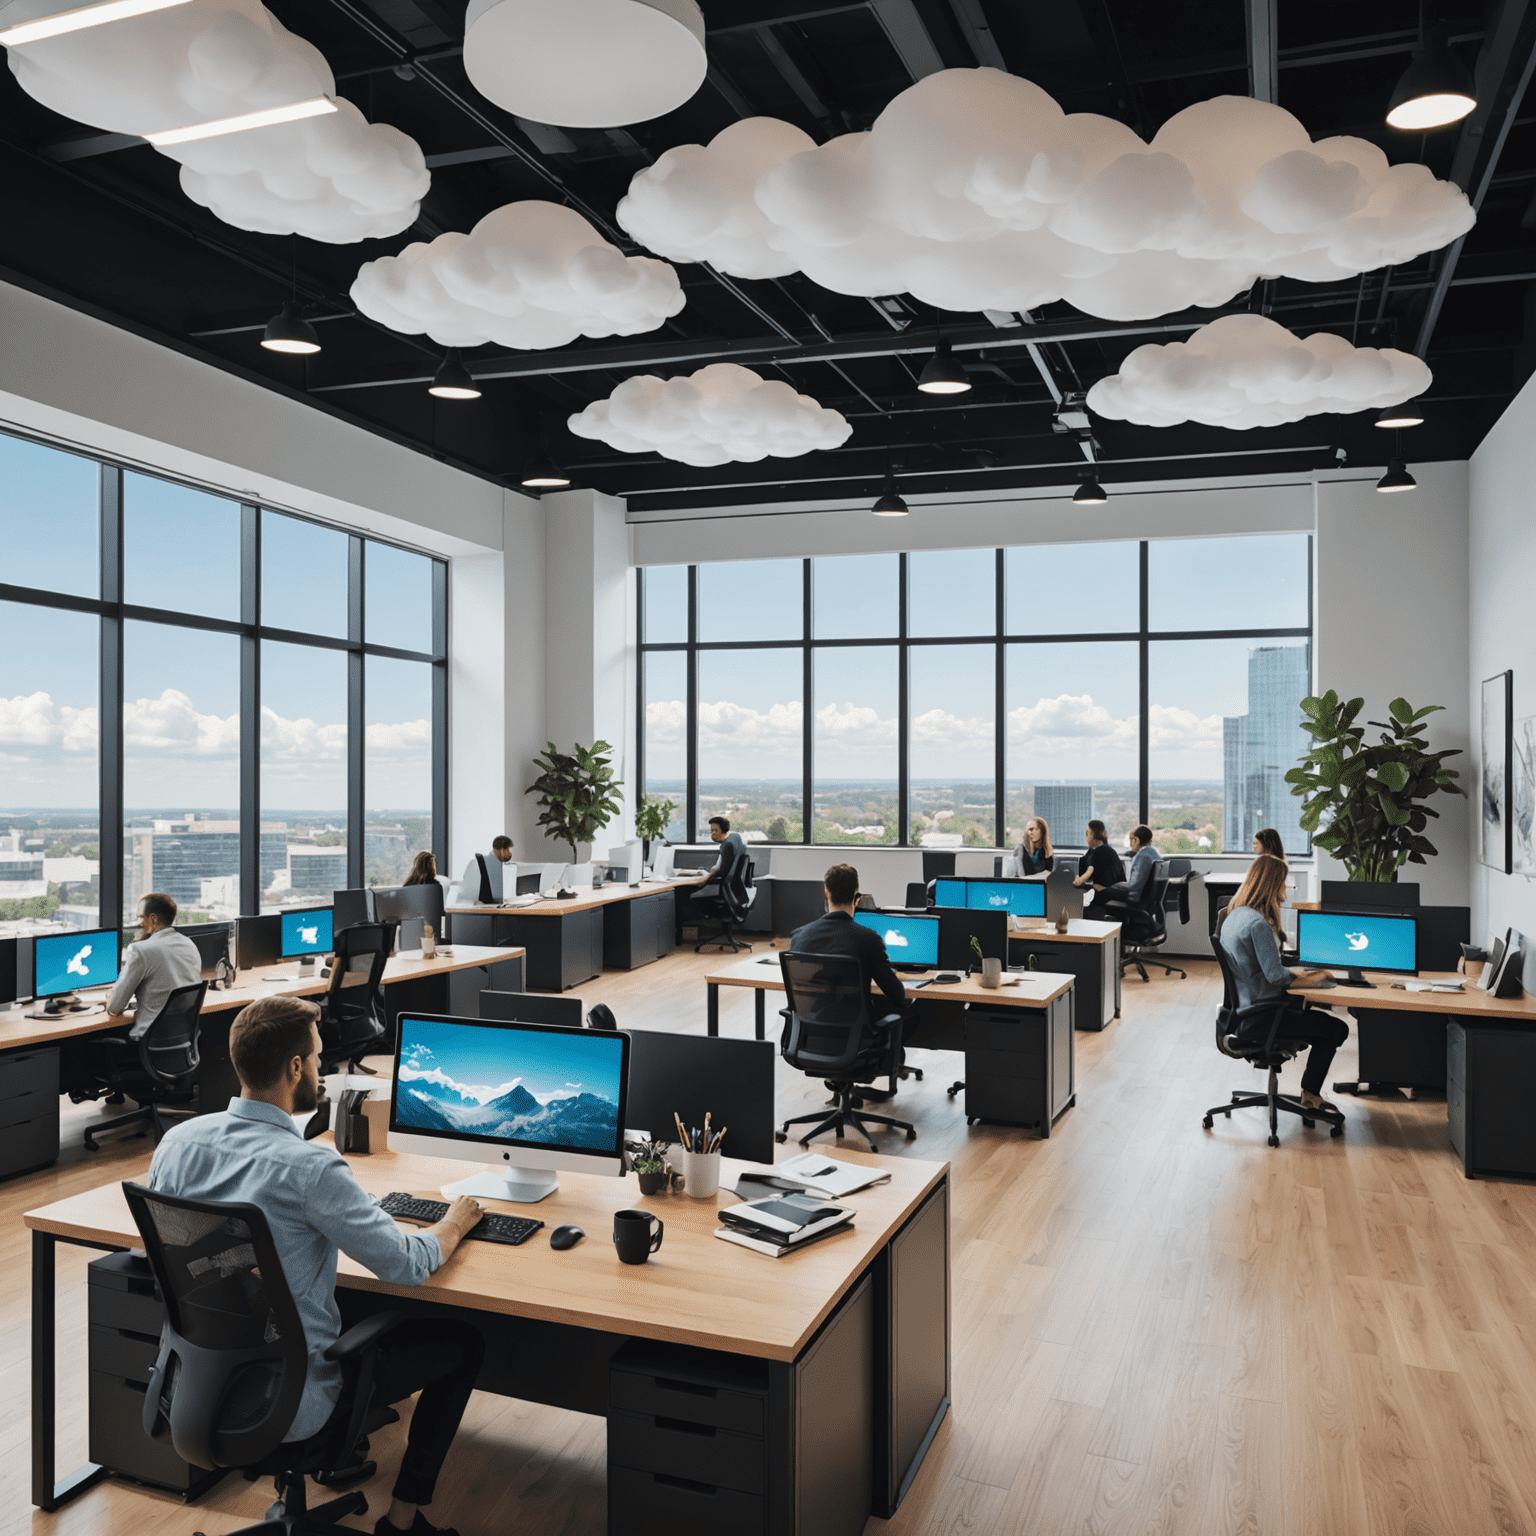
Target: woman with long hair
{"type": "Point", "coordinates": [1100, 867]}
{"type": "Point", "coordinates": [1033, 855]}
{"type": "Point", "coordinates": [1249, 932]}
{"type": "Point", "coordinates": [423, 870]}
{"type": "Point", "coordinates": [1267, 840]}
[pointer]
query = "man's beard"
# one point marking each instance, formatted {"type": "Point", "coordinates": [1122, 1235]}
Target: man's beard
{"type": "Point", "coordinates": [307, 1096]}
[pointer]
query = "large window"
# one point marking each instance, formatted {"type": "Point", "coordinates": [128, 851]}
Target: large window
{"type": "Point", "coordinates": [943, 698]}
{"type": "Point", "coordinates": [237, 706]}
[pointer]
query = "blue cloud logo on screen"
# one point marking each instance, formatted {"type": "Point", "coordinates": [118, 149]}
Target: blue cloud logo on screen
{"type": "Point", "coordinates": [1358, 941]}
{"type": "Point", "coordinates": [77, 965]}
{"type": "Point", "coordinates": [895, 939]}
{"type": "Point", "coordinates": [309, 935]}
{"type": "Point", "coordinates": [997, 901]}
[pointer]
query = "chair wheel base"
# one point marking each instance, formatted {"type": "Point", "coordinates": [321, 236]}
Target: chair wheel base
{"type": "Point", "coordinates": [1208, 1122]}
{"type": "Point", "coordinates": [779, 1136]}
{"type": "Point", "coordinates": [1274, 1141]}
{"type": "Point", "coordinates": [954, 1088]}
{"type": "Point", "coordinates": [1337, 1130]}
{"type": "Point", "coordinates": [911, 1136]}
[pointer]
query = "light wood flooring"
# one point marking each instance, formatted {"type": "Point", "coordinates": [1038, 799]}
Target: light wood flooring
{"type": "Point", "coordinates": [1156, 1329]}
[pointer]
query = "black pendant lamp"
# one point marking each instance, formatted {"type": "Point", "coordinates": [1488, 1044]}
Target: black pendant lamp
{"type": "Point", "coordinates": [1435, 90]}
{"type": "Point", "coordinates": [1396, 417]}
{"type": "Point", "coordinates": [288, 331]}
{"type": "Point", "coordinates": [890, 503]}
{"type": "Point", "coordinates": [453, 381]}
{"type": "Point", "coordinates": [942, 374]}
{"type": "Point", "coordinates": [1396, 478]}
{"type": "Point", "coordinates": [1090, 494]}
{"type": "Point", "coordinates": [541, 473]}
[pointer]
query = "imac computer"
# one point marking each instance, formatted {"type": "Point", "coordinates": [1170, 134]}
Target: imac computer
{"type": "Point", "coordinates": [1356, 941]}
{"type": "Point", "coordinates": [527, 1098]}
{"type": "Point", "coordinates": [911, 942]}
{"type": "Point", "coordinates": [552, 878]}
{"type": "Point", "coordinates": [1020, 898]}
{"type": "Point", "coordinates": [949, 893]}
{"type": "Point", "coordinates": [661, 862]}
{"type": "Point", "coordinates": [212, 941]}
{"type": "Point", "coordinates": [395, 903]}
{"type": "Point", "coordinates": [63, 962]}
{"type": "Point", "coordinates": [305, 932]}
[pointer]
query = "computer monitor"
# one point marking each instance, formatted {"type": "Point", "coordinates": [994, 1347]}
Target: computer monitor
{"type": "Point", "coordinates": [64, 962]}
{"type": "Point", "coordinates": [661, 862]}
{"type": "Point", "coordinates": [396, 903]}
{"type": "Point", "coordinates": [528, 885]}
{"type": "Point", "coordinates": [1367, 896]}
{"type": "Point", "coordinates": [8, 989]}
{"type": "Point", "coordinates": [626, 862]}
{"type": "Point", "coordinates": [212, 941]}
{"type": "Point", "coordinates": [695, 858]}
{"type": "Point", "coordinates": [530, 1008]}
{"type": "Point", "coordinates": [957, 925]}
{"type": "Point", "coordinates": [949, 893]}
{"type": "Point", "coordinates": [1375, 941]}
{"type": "Point", "coordinates": [551, 878]}
{"type": "Point", "coordinates": [1020, 898]}
{"type": "Point", "coordinates": [695, 1075]}
{"type": "Point", "coordinates": [258, 941]}
{"type": "Point", "coordinates": [528, 1098]}
{"type": "Point", "coordinates": [305, 932]}
{"type": "Point", "coordinates": [911, 942]}
{"type": "Point", "coordinates": [349, 908]}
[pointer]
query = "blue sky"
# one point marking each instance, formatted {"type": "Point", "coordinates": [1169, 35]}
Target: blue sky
{"type": "Point", "coordinates": [489, 1062]}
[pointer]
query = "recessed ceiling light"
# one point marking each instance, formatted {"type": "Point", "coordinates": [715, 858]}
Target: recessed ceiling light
{"type": "Point", "coordinates": [1435, 90]}
{"type": "Point", "coordinates": [80, 18]}
{"type": "Point", "coordinates": [453, 381]}
{"type": "Point", "coordinates": [315, 106]}
{"type": "Point", "coordinates": [889, 504]}
{"type": "Point", "coordinates": [289, 331]}
{"type": "Point", "coordinates": [942, 374]}
{"type": "Point", "coordinates": [543, 474]}
{"type": "Point", "coordinates": [1400, 416]}
{"type": "Point", "coordinates": [1396, 478]}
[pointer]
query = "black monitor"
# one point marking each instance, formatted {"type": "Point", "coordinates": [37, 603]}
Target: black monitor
{"type": "Point", "coordinates": [911, 942]}
{"type": "Point", "coordinates": [258, 941]}
{"type": "Point", "coordinates": [732, 1080]}
{"type": "Point", "coordinates": [531, 1008]}
{"type": "Point", "coordinates": [1361, 896]}
{"type": "Point", "coordinates": [396, 903]}
{"type": "Point", "coordinates": [212, 941]}
{"type": "Point", "coordinates": [957, 925]}
{"type": "Point", "coordinates": [349, 908]}
{"type": "Point", "coordinates": [1356, 941]}
{"type": "Point", "coordinates": [64, 962]}
{"type": "Point", "coordinates": [694, 858]}
{"type": "Point", "coordinates": [528, 885]}
{"type": "Point", "coordinates": [8, 992]}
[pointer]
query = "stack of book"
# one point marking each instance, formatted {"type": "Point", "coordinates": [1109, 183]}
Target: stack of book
{"type": "Point", "coordinates": [783, 1224]}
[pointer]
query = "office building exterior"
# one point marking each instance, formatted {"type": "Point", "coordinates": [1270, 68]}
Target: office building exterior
{"type": "Point", "coordinates": [176, 857]}
{"type": "Point", "coordinates": [1258, 749]}
{"type": "Point", "coordinates": [1066, 809]}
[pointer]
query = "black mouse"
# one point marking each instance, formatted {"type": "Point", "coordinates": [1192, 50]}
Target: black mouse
{"type": "Point", "coordinates": [566, 1237]}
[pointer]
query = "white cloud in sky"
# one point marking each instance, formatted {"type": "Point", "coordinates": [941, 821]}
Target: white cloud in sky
{"type": "Point", "coordinates": [32, 722]}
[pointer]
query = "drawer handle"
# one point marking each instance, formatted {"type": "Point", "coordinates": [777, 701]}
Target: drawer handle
{"type": "Point", "coordinates": [683, 1427]}
{"type": "Point", "coordinates": [697, 1389]}
{"type": "Point", "coordinates": [668, 1481]}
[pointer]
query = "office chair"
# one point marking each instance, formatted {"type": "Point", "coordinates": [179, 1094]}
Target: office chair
{"type": "Point", "coordinates": [350, 1023]}
{"type": "Point", "coordinates": [530, 1008]}
{"type": "Point", "coordinates": [153, 1064]}
{"type": "Point", "coordinates": [233, 1358]}
{"type": "Point", "coordinates": [1268, 1052]}
{"type": "Point", "coordinates": [831, 1032]}
{"type": "Point", "coordinates": [1145, 928]}
{"type": "Point", "coordinates": [601, 1017]}
{"type": "Point", "coordinates": [1176, 896]}
{"type": "Point", "coordinates": [867, 903]}
{"type": "Point", "coordinates": [918, 895]}
{"type": "Point", "coordinates": [729, 907]}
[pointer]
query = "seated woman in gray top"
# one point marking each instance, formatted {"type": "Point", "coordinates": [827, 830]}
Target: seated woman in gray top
{"type": "Point", "coordinates": [1249, 934]}
{"type": "Point", "coordinates": [1034, 856]}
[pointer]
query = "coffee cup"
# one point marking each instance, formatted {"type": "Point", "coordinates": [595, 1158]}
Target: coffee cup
{"type": "Point", "coordinates": [633, 1235]}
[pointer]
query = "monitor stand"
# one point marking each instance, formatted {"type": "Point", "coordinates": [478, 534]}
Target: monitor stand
{"type": "Point", "coordinates": [521, 1186]}
{"type": "Point", "coordinates": [1355, 979]}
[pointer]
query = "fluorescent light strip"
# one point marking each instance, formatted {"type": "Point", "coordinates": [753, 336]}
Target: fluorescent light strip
{"type": "Point", "coordinates": [316, 106]}
{"type": "Point", "coordinates": [78, 20]}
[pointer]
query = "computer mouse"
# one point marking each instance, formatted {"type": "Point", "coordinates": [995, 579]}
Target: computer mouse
{"type": "Point", "coordinates": [566, 1237]}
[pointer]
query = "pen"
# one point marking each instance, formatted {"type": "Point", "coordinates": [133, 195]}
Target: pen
{"type": "Point", "coordinates": [705, 1146]}
{"type": "Point", "coordinates": [719, 1137]}
{"type": "Point", "coordinates": [682, 1135]}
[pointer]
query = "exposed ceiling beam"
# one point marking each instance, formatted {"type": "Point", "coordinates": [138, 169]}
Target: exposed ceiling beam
{"type": "Point", "coordinates": [730, 92]}
{"type": "Point", "coordinates": [792, 75]}
{"type": "Point", "coordinates": [909, 37]}
{"type": "Point", "coordinates": [978, 32]}
{"type": "Point", "coordinates": [1263, 50]}
{"type": "Point", "coordinates": [95, 144]}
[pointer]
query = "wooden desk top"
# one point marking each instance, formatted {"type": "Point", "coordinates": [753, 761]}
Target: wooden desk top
{"type": "Point", "coordinates": [1080, 930]}
{"type": "Point", "coordinates": [17, 1031]}
{"type": "Point", "coordinates": [600, 896]}
{"type": "Point", "coordinates": [1034, 990]}
{"type": "Point", "coordinates": [1470, 1002]}
{"type": "Point", "coordinates": [697, 1290]}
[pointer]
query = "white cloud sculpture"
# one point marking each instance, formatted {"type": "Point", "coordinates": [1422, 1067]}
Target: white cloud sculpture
{"type": "Point", "coordinates": [530, 274]}
{"type": "Point", "coordinates": [723, 414]}
{"type": "Point", "coordinates": [335, 178]}
{"type": "Point", "coordinates": [974, 190]}
{"type": "Point", "coordinates": [1246, 371]}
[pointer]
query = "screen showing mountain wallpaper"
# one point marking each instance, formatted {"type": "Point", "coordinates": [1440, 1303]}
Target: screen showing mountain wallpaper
{"type": "Point", "coordinates": [513, 1084]}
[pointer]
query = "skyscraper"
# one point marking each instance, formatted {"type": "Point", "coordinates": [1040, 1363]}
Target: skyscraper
{"type": "Point", "coordinates": [1260, 747]}
{"type": "Point", "coordinates": [1066, 809]}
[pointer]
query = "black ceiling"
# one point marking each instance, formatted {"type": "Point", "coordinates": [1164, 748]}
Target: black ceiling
{"type": "Point", "coordinates": [107, 229]}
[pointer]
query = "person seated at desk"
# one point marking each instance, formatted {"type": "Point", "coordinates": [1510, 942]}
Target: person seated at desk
{"type": "Point", "coordinates": [423, 870]}
{"type": "Point", "coordinates": [501, 848]}
{"type": "Point", "coordinates": [1249, 932]}
{"type": "Point", "coordinates": [1033, 856]}
{"type": "Point", "coordinates": [1118, 899]}
{"type": "Point", "coordinates": [1100, 866]}
{"type": "Point", "coordinates": [732, 848]}
{"type": "Point", "coordinates": [155, 964]}
{"type": "Point", "coordinates": [1267, 840]}
{"type": "Point", "coordinates": [254, 1152]}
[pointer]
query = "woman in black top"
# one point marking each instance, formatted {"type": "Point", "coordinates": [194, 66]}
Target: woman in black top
{"type": "Point", "coordinates": [423, 870]}
{"type": "Point", "coordinates": [1033, 855]}
{"type": "Point", "coordinates": [1100, 867]}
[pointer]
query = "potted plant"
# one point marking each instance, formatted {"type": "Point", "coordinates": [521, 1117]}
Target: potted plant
{"type": "Point", "coordinates": [577, 793]}
{"type": "Point", "coordinates": [652, 818]}
{"type": "Point", "coordinates": [991, 970]}
{"type": "Point", "coordinates": [651, 1165]}
{"type": "Point", "coordinates": [1365, 804]}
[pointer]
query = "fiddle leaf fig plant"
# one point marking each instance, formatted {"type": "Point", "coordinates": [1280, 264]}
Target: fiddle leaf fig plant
{"type": "Point", "coordinates": [1365, 804]}
{"type": "Point", "coordinates": [577, 792]}
{"type": "Point", "coordinates": [653, 817]}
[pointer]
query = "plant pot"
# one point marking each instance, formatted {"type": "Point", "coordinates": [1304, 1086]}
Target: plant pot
{"type": "Point", "coordinates": [653, 1183]}
{"type": "Point", "coordinates": [991, 973]}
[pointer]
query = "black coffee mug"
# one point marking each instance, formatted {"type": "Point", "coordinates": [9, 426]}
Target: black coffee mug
{"type": "Point", "coordinates": [632, 1235]}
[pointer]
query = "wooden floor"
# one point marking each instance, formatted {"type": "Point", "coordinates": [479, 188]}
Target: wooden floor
{"type": "Point", "coordinates": [1156, 1329]}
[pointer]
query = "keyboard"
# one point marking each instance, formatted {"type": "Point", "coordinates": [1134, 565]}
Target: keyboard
{"type": "Point", "coordinates": [511, 1230]}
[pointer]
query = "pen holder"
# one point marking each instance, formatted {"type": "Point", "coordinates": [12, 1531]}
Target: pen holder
{"type": "Point", "coordinates": [701, 1173]}
{"type": "Point", "coordinates": [991, 972]}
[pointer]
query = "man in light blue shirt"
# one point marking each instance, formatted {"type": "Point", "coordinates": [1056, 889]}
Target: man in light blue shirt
{"type": "Point", "coordinates": [253, 1152]}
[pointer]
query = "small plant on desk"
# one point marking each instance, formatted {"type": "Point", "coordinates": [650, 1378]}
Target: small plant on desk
{"type": "Point", "coordinates": [650, 1159]}
{"type": "Point", "coordinates": [981, 959]}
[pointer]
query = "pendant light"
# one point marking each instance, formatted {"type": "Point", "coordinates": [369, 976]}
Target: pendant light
{"type": "Point", "coordinates": [1396, 478]}
{"type": "Point", "coordinates": [890, 503]}
{"type": "Point", "coordinates": [1435, 90]}
{"type": "Point", "coordinates": [942, 374]}
{"type": "Point", "coordinates": [1090, 494]}
{"type": "Point", "coordinates": [288, 331]}
{"type": "Point", "coordinates": [77, 18]}
{"type": "Point", "coordinates": [453, 381]}
{"type": "Point", "coordinates": [1395, 417]}
{"type": "Point", "coordinates": [541, 473]}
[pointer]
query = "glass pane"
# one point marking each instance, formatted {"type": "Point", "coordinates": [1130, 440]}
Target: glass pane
{"type": "Point", "coordinates": [752, 600]}
{"type": "Point", "coordinates": [953, 692]}
{"type": "Point", "coordinates": [181, 548]}
{"type": "Point", "coordinates": [303, 576]}
{"type": "Point", "coordinates": [666, 602]}
{"type": "Point", "coordinates": [50, 859]}
{"type": "Point", "coordinates": [750, 755]}
{"type": "Point", "coordinates": [856, 791]}
{"type": "Point", "coordinates": [397, 706]}
{"type": "Point", "coordinates": [666, 734]}
{"type": "Point", "coordinates": [50, 525]}
{"type": "Point", "coordinates": [952, 592]}
{"type": "Point", "coordinates": [303, 774]}
{"type": "Point", "coordinates": [855, 597]}
{"type": "Point", "coordinates": [1255, 582]}
{"type": "Point", "coordinates": [1073, 740]}
{"type": "Point", "coordinates": [181, 769]}
{"type": "Point", "coordinates": [1226, 726]}
{"type": "Point", "coordinates": [397, 598]}
{"type": "Point", "coordinates": [1072, 589]}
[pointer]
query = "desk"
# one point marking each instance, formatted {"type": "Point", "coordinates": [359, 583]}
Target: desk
{"type": "Point", "coordinates": [1479, 1050]}
{"type": "Point", "coordinates": [1020, 1061]}
{"type": "Point", "coordinates": [850, 1338]}
{"type": "Point", "coordinates": [1089, 950]}
{"type": "Point", "coordinates": [616, 927]}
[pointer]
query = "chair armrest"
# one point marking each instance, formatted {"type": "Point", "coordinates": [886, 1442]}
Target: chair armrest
{"type": "Point", "coordinates": [888, 1022]}
{"type": "Point", "coordinates": [362, 1336]}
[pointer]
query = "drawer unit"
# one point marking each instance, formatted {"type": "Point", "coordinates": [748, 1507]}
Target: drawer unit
{"type": "Point", "coordinates": [29, 1109]}
{"type": "Point", "coordinates": [1019, 1064]}
{"type": "Point", "coordinates": [682, 1448]}
{"type": "Point", "coordinates": [656, 1504]}
{"type": "Point", "coordinates": [696, 1402]}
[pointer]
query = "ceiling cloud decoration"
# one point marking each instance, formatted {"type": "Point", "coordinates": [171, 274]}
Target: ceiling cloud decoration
{"type": "Point", "coordinates": [529, 275]}
{"type": "Point", "coordinates": [335, 178]}
{"type": "Point", "coordinates": [974, 191]}
{"type": "Point", "coordinates": [723, 414]}
{"type": "Point", "coordinates": [1246, 371]}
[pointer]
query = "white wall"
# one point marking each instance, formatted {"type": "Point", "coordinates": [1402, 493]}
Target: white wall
{"type": "Point", "coordinates": [1503, 635]}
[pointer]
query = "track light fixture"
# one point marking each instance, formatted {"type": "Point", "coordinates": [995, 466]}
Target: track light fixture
{"type": "Point", "coordinates": [541, 473]}
{"type": "Point", "coordinates": [288, 331]}
{"type": "Point", "coordinates": [1090, 494]}
{"type": "Point", "coordinates": [890, 503]}
{"type": "Point", "coordinates": [1396, 478]}
{"type": "Point", "coordinates": [1435, 90]}
{"type": "Point", "coordinates": [1398, 416]}
{"type": "Point", "coordinates": [292, 112]}
{"type": "Point", "coordinates": [942, 373]}
{"type": "Point", "coordinates": [453, 381]}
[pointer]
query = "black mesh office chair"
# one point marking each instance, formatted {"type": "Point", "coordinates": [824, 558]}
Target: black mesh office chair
{"type": "Point", "coordinates": [831, 1031]}
{"type": "Point", "coordinates": [351, 1023]}
{"type": "Point", "coordinates": [728, 907]}
{"type": "Point", "coordinates": [1144, 929]}
{"type": "Point", "coordinates": [233, 1358]}
{"type": "Point", "coordinates": [154, 1064]}
{"type": "Point", "coordinates": [1253, 1035]}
